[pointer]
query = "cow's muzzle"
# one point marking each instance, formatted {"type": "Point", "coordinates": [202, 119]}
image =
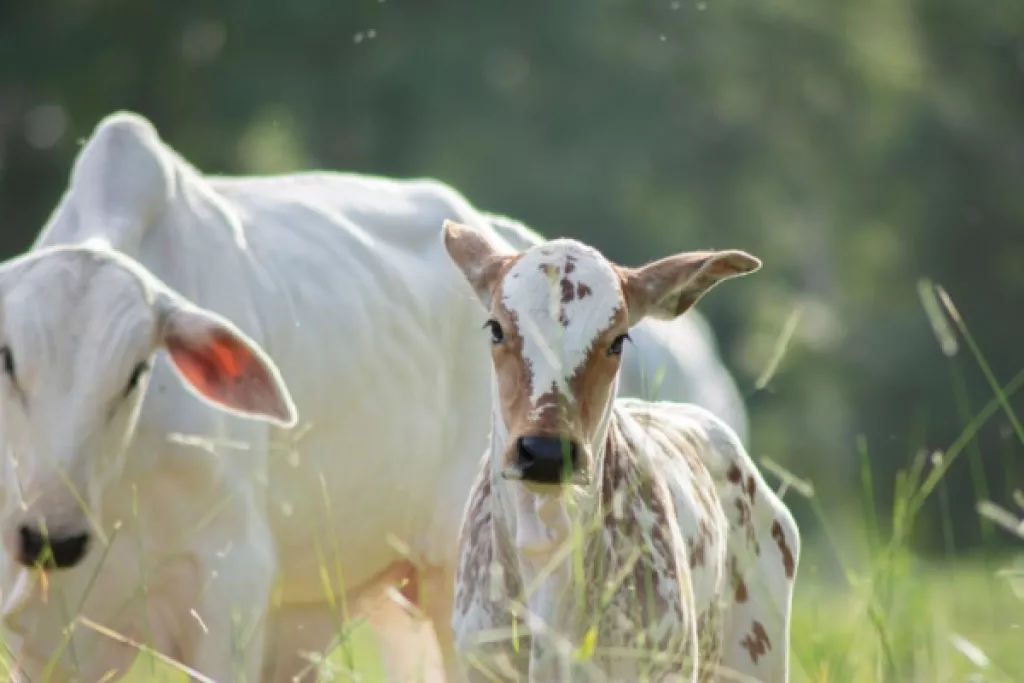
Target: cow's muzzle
{"type": "Point", "coordinates": [544, 460]}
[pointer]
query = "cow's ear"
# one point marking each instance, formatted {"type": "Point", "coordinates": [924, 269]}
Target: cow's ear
{"type": "Point", "coordinates": [670, 287]}
{"type": "Point", "coordinates": [222, 365]}
{"type": "Point", "coordinates": [477, 257]}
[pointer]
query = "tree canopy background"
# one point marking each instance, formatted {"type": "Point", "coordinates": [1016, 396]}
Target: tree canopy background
{"type": "Point", "coordinates": [857, 148]}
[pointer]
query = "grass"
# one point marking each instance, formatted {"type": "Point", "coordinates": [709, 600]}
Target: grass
{"type": "Point", "coordinates": [912, 622]}
{"type": "Point", "coordinates": [886, 615]}
{"type": "Point", "coordinates": [942, 622]}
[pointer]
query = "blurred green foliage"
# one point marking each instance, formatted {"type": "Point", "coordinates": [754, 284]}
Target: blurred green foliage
{"type": "Point", "coordinates": [855, 147]}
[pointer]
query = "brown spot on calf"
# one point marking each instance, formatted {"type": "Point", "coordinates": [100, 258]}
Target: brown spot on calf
{"type": "Point", "coordinates": [568, 291]}
{"type": "Point", "coordinates": [697, 552]}
{"type": "Point", "coordinates": [738, 586]}
{"type": "Point", "coordinates": [746, 523]}
{"type": "Point", "coordinates": [779, 536]}
{"type": "Point", "coordinates": [756, 642]}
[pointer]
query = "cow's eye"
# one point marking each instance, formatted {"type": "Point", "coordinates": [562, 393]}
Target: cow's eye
{"type": "Point", "coordinates": [616, 348]}
{"type": "Point", "coordinates": [497, 335]}
{"type": "Point", "coordinates": [7, 358]}
{"type": "Point", "coordinates": [137, 372]}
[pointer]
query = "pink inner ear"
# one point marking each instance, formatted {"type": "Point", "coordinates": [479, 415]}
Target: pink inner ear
{"type": "Point", "coordinates": [222, 369]}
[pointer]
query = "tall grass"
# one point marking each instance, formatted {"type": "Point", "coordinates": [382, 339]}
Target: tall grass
{"type": "Point", "coordinates": [890, 616]}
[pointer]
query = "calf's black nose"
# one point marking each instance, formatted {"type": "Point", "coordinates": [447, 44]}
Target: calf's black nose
{"type": "Point", "coordinates": [53, 552]}
{"type": "Point", "coordinates": [546, 459]}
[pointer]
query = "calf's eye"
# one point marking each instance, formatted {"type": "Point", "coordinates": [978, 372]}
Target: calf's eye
{"type": "Point", "coordinates": [497, 335]}
{"type": "Point", "coordinates": [616, 348]}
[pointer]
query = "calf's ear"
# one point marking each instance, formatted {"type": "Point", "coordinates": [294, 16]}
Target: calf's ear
{"type": "Point", "coordinates": [222, 365]}
{"type": "Point", "coordinates": [476, 256]}
{"type": "Point", "coordinates": [671, 286]}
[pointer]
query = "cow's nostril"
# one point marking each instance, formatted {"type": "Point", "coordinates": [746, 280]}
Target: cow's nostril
{"type": "Point", "coordinates": [32, 544]}
{"type": "Point", "coordinates": [544, 459]}
{"type": "Point", "coordinates": [58, 552]}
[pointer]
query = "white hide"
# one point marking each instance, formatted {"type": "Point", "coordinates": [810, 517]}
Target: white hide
{"type": "Point", "coordinates": [344, 281]}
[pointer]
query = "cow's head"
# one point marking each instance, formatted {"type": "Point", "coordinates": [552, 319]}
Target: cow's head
{"type": "Point", "coordinates": [559, 316]}
{"type": "Point", "coordinates": [79, 327]}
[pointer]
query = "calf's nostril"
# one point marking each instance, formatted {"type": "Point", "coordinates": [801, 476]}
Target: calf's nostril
{"type": "Point", "coordinates": [544, 459]}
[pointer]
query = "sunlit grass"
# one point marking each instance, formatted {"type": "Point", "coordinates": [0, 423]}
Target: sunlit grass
{"type": "Point", "coordinates": [887, 615]}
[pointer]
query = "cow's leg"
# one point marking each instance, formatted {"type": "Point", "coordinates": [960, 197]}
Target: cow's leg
{"type": "Point", "coordinates": [232, 649]}
{"type": "Point", "coordinates": [232, 609]}
{"type": "Point", "coordinates": [437, 597]}
{"type": "Point", "coordinates": [298, 636]}
{"type": "Point", "coordinates": [300, 633]}
{"type": "Point", "coordinates": [407, 645]}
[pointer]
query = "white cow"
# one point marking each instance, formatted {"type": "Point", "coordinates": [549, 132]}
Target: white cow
{"type": "Point", "coordinates": [152, 471]}
{"type": "Point", "coordinates": [634, 540]}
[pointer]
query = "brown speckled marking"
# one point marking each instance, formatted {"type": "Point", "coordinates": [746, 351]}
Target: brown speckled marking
{"type": "Point", "coordinates": [697, 551]}
{"type": "Point", "coordinates": [734, 474]}
{"type": "Point", "coordinates": [787, 556]}
{"type": "Point", "coordinates": [738, 586]}
{"type": "Point", "coordinates": [475, 556]}
{"type": "Point", "coordinates": [756, 642]}
{"type": "Point", "coordinates": [751, 488]}
{"type": "Point", "coordinates": [568, 291]}
{"type": "Point", "coordinates": [698, 547]}
{"type": "Point", "coordinates": [747, 524]}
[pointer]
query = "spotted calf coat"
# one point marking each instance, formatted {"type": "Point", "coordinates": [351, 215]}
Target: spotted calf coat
{"type": "Point", "coordinates": [683, 569]}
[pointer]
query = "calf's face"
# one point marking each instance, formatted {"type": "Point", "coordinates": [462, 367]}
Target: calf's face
{"type": "Point", "coordinates": [78, 331]}
{"type": "Point", "coordinates": [560, 314]}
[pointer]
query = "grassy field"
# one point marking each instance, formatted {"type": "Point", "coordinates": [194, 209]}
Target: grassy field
{"type": "Point", "coordinates": [877, 614]}
{"type": "Point", "coordinates": [935, 623]}
{"type": "Point", "coordinates": [914, 623]}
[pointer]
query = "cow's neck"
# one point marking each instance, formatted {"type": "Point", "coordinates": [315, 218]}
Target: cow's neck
{"type": "Point", "coordinates": [553, 537]}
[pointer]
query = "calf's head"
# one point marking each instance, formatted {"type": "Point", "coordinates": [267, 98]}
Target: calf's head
{"type": "Point", "coordinates": [559, 316]}
{"type": "Point", "coordinates": [79, 328]}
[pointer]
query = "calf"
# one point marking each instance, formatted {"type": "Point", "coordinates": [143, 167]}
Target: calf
{"type": "Point", "coordinates": [634, 540]}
